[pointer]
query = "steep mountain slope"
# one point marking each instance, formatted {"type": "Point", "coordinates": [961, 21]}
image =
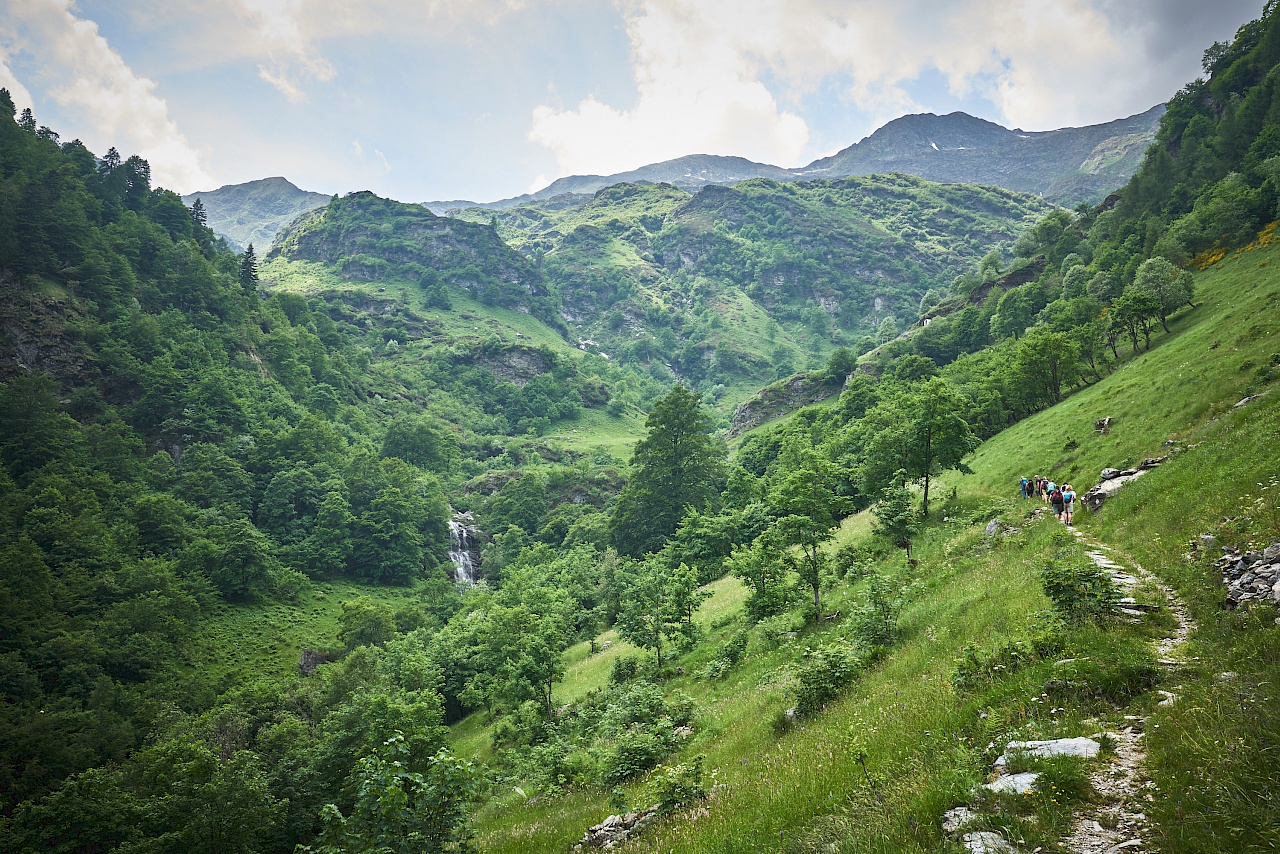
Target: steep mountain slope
{"type": "Point", "coordinates": [728, 288]}
{"type": "Point", "coordinates": [254, 212]}
{"type": "Point", "coordinates": [1066, 166]}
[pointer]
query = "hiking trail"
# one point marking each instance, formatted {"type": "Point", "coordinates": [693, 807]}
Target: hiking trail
{"type": "Point", "coordinates": [1119, 822]}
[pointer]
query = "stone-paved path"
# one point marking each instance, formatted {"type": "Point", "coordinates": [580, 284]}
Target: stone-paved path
{"type": "Point", "coordinates": [1119, 824]}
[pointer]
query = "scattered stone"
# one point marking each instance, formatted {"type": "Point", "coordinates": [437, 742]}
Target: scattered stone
{"type": "Point", "coordinates": [1109, 474]}
{"type": "Point", "coordinates": [615, 829]}
{"type": "Point", "coordinates": [1085, 748]}
{"type": "Point", "coordinates": [1169, 698]}
{"type": "Point", "coordinates": [954, 819]}
{"type": "Point", "coordinates": [1245, 400]}
{"type": "Point", "coordinates": [1129, 845]}
{"type": "Point", "coordinates": [993, 528]}
{"type": "Point", "coordinates": [1208, 541]}
{"type": "Point", "coordinates": [1103, 425]}
{"type": "Point", "coordinates": [987, 842]}
{"type": "Point", "coordinates": [1014, 784]}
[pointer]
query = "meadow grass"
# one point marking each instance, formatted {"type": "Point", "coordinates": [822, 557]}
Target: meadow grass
{"type": "Point", "coordinates": [875, 769]}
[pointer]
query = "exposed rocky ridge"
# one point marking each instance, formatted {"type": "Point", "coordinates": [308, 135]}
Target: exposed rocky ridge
{"type": "Point", "coordinates": [1068, 166]}
{"type": "Point", "coordinates": [780, 398]}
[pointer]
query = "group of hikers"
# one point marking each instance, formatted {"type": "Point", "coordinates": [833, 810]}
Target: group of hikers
{"type": "Point", "coordinates": [1061, 498]}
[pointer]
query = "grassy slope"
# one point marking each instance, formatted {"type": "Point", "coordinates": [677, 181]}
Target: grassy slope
{"type": "Point", "coordinates": [1213, 754]}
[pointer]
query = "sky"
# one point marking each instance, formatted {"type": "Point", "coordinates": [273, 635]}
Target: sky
{"type": "Point", "coordinates": [486, 99]}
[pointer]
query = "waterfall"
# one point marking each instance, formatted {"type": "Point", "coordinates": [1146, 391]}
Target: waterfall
{"type": "Point", "coordinates": [463, 549]}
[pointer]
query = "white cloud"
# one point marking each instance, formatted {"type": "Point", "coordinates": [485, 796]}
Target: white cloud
{"type": "Point", "coordinates": [699, 90]}
{"type": "Point", "coordinates": [718, 76]}
{"type": "Point", "coordinates": [289, 53]}
{"type": "Point", "coordinates": [21, 97]}
{"type": "Point", "coordinates": [85, 74]}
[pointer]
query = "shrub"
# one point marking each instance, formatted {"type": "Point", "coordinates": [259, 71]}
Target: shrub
{"type": "Point", "coordinates": [1080, 590]}
{"type": "Point", "coordinates": [875, 621]}
{"type": "Point", "coordinates": [625, 669]}
{"type": "Point", "coordinates": [824, 672]}
{"type": "Point", "coordinates": [977, 664]}
{"type": "Point", "coordinates": [636, 750]}
{"type": "Point", "coordinates": [773, 630]}
{"type": "Point", "coordinates": [674, 785]}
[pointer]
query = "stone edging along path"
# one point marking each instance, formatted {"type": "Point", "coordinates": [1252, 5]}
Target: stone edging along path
{"type": "Point", "coordinates": [1119, 824]}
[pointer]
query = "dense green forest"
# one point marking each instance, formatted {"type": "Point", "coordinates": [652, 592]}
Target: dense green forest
{"type": "Point", "coordinates": [191, 441]}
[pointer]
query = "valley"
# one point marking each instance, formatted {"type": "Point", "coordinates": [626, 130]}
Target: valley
{"type": "Point", "coordinates": [736, 452]}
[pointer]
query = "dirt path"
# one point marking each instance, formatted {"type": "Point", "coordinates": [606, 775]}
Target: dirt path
{"type": "Point", "coordinates": [1119, 823]}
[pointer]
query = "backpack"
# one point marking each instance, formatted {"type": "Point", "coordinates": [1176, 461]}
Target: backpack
{"type": "Point", "coordinates": [1055, 497]}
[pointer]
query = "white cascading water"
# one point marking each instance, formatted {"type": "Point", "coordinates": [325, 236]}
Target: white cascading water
{"type": "Point", "coordinates": [462, 549]}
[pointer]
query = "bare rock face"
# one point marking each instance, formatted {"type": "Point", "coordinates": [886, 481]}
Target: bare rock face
{"type": "Point", "coordinates": [782, 397]}
{"type": "Point", "coordinates": [310, 660]}
{"type": "Point", "coordinates": [1111, 479]}
{"type": "Point", "coordinates": [987, 842]}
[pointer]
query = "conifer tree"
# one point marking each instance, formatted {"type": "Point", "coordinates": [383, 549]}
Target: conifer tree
{"type": "Point", "coordinates": [249, 271]}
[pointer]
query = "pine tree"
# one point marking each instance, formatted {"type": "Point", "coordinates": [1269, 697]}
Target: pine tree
{"type": "Point", "coordinates": [198, 215]}
{"type": "Point", "coordinates": [249, 271]}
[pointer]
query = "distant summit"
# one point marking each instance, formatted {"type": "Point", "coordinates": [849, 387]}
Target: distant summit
{"type": "Point", "coordinates": [255, 212]}
{"type": "Point", "coordinates": [1066, 166]}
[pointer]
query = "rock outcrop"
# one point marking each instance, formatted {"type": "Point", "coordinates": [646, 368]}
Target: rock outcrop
{"type": "Point", "coordinates": [615, 829]}
{"type": "Point", "coordinates": [1251, 576]}
{"type": "Point", "coordinates": [1110, 480]}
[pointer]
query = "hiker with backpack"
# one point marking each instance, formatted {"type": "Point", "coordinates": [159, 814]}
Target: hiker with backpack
{"type": "Point", "coordinates": [1068, 503]}
{"type": "Point", "coordinates": [1058, 502]}
{"type": "Point", "coordinates": [1025, 486]}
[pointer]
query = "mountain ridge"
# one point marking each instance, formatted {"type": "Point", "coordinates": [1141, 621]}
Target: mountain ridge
{"type": "Point", "coordinates": [892, 145]}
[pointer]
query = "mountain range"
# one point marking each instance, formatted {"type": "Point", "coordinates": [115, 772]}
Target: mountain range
{"type": "Point", "coordinates": [1067, 167]}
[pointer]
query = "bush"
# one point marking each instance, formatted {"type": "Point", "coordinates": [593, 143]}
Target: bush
{"type": "Point", "coordinates": [875, 621]}
{"type": "Point", "coordinates": [774, 629]}
{"type": "Point", "coordinates": [676, 785]}
{"type": "Point", "coordinates": [1080, 590]}
{"type": "Point", "coordinates": [824, 672]}
{"type": "Point", "coordinates": [625, 669]}
{"type": "Point", "coordinates": [978, 665]}
{"type": "Point", "coordinates": [636, 750]}
{"type": "Point", "coordinates": [853, 561]}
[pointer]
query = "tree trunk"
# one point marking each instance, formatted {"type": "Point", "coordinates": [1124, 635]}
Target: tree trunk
{"type": "Point", "coordinates": [817, 604]}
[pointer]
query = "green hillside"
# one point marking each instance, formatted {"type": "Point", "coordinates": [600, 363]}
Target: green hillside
{"type": "Point", "coordinates": [426, 534]}
{"type": "Point", "coordinates": [921, 736]}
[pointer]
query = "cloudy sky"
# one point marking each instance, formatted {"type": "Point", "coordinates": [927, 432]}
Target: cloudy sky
{"type": "Point", "coordinates": [486, 99]}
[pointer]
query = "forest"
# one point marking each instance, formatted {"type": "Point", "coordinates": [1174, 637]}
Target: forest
{"type": "Point", "coordinates": [190, 437]}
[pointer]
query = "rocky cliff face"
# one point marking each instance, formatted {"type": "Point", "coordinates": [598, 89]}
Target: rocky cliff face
{"type": "Point", "coordinates": [780, 398]}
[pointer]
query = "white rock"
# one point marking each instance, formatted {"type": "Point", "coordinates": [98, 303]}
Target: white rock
{"type": "Point", "coordinates": [1085, 748]}
{"type": "Point", "coordinates": [1017, 784]}
{"type": "Point", "coordinates": [954, 819]}
{"type": "Point", "coordinates": [987, 842]}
